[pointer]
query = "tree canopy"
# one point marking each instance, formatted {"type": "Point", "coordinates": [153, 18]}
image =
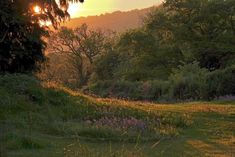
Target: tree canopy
{"type": "Point", "coordinates": [21, 44]}
{"type": "Point", "coordinates": [202, 29]}
{"type": "Point", "coordinates": [81, 45]}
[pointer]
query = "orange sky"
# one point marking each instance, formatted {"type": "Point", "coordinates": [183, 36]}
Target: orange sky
{"type": "Point", "coordinates": [95, 7]}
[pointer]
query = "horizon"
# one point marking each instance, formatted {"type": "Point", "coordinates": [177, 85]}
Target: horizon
{"type": "Point", "coordinates": [93, 8]}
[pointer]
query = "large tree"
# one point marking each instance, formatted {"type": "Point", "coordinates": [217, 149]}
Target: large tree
{"type": "Point", "coordinates": [81, 44]}
{"type": "Point", "coordinates": [21, 44]}
{"type": "Point", "coordinates": [204, 30]}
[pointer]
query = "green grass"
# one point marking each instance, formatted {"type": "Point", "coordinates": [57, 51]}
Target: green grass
{"type": "Point", "coordinates": [46, 120]}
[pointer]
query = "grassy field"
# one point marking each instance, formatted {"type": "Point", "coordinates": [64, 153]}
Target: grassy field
{"type": "Point", "coordinates": [46, 120]}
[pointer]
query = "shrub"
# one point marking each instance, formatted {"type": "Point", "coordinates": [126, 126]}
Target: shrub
{"type": "Point", "coordinates": [154, 90]}
{"type": "Point", "coordinates": [221, 83]}
{"type": "Point", "coordinates": [149, 90]}
{"type": "Point", "coordinates": [188, 82]}
{"type": "Point", "coordinates": [118, 89]}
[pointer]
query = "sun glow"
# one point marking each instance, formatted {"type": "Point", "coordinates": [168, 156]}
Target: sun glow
{"type": "Point", "coordinates": [36, 9]}
{"type": "Point", "coordinates": [94, 7]}
{"type": "Point", "coordinates": [74, 9]}
{"type": "Point", "coordinates": [90, 7]}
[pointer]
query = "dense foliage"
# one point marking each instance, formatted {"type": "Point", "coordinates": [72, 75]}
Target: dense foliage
{"type": "Point", "coordinates": [184, 51]}
{"type": "Point", "coordinates": [188, 44]}
{"type": "Point", "coordinates": [21, 44]}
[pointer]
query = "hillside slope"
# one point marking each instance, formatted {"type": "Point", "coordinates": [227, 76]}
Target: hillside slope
{"type": "Point", "coordinates": [116, 21]}
{"type": "Point", "coordinates": [46, 120]}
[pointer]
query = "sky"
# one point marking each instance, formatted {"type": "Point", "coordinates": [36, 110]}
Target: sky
{"type": "Point", "coordinates": [97, 7]}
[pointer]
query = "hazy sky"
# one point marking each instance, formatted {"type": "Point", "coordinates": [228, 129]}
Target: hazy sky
{"type": "Point", "coordinates": [97, 7]}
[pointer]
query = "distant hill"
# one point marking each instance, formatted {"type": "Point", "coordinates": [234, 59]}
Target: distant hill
{"type": "Point", "coordinates": [116, 21]}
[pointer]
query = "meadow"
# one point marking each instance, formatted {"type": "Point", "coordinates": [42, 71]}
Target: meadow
{"type": "Point", "coordinates": [41, 119]}
{"type": "Point", "coordinates": [164, 88]}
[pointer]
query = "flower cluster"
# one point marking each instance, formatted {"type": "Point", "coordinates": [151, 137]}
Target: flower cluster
{"type": "Point", "coordinates": [127, 123]}
{"type": "Point", "coordinates": [227, 97]}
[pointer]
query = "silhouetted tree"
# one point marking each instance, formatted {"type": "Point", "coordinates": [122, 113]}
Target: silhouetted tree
{"type": "Point", "coordinates": [82, 45]}
{"type": "Point", "coordinates": [21, 44]}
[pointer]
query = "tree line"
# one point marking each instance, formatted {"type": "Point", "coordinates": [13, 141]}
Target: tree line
{"type": "Point", "coordinates": [185, 50]}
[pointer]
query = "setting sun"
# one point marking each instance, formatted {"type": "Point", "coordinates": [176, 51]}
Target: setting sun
{"type": "Point", "coordinates": [36, 9]}
{"type": "Point", "coordinates": [74, 9]}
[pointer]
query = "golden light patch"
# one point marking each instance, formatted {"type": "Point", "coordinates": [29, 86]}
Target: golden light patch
{"type": "Point", "coordinates": [91, 7]}
{"type": "Point", "coordinates": [37, 9]}
{"type": "Point", "coordinates": [74, 9]}
{"type": "Point", "coordinates": [208, 149]}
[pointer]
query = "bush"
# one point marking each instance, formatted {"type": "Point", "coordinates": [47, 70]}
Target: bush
{"type": "Point", "coordinates": [221, 83]}
{"type": "Point", "coordinates": [149, 90]}
{"type": "Point", "coordinates": [154, 90]}
{"type": "Point", "coordinates": [188, 82]}
{"type": "Point", "coordinates": [118, 89]}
